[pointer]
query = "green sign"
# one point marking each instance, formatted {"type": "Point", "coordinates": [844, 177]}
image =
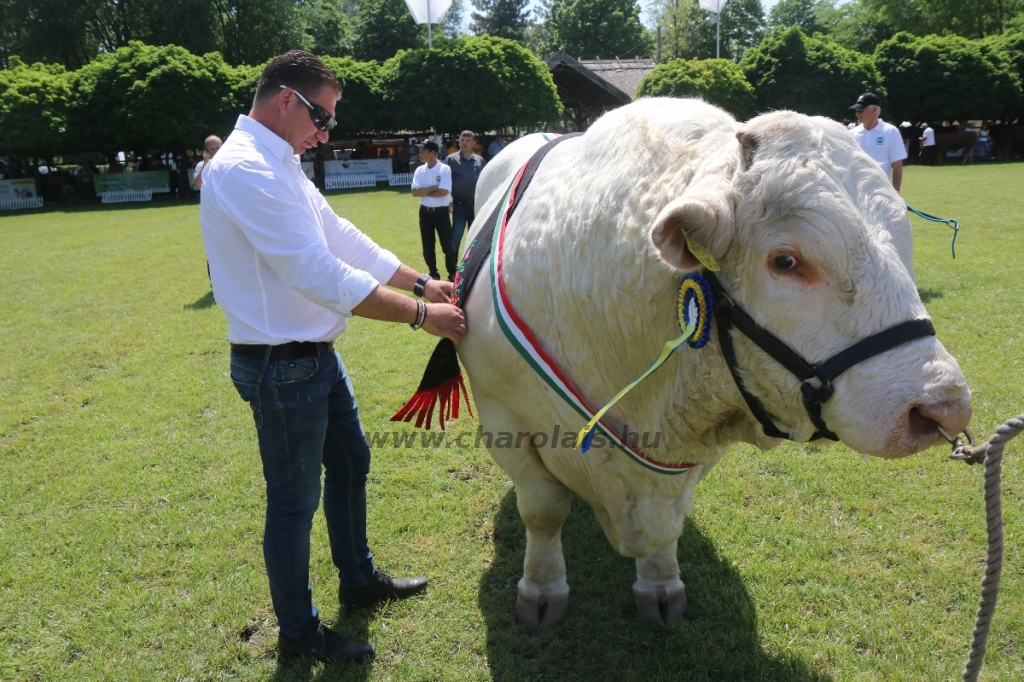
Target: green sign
{"type": "Point", "coordinates": [158, 181]}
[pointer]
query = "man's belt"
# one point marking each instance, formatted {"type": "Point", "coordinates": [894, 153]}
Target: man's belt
{"type": "Point", "coordinates": [284, 351]}
{"type": "Point", "coordinates": [431, 209]}
{"type": "Point", "coordinates": [459, 201]}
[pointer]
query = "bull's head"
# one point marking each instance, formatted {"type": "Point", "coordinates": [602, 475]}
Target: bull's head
{"type": "Point", "coordinates": [815, 244]}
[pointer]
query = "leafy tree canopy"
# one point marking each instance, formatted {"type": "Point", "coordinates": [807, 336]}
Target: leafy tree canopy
{"type": "Point", "coordinates": [717, 81]}
{"type": "Point", "coordinates": [501, 18]}
{"type": "Point", "coordinates": [691, 32]}
{"type": "Point", "coordinates": [384, 28]}
{"type": "Point", "coordinates": [487, 83]}
{"type": "Point", "coordinates": [601, 29]}
{"type": "Point", "coordinates": [33, 108]}
{"type": "Point", "coordinates": [810, 74]}
{"type": "Point", "coordinates": [361, 109]}
{"type": "Point", "coordinates": [937, 78]}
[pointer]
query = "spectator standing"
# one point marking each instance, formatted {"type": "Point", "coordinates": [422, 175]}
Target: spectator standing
{"type": "Point", "coordinates": [495, 147]}
{"type": "Point", "coordinates": [984, 142]}
{"type": "Point", "coordinates": [432, 183]}
{"type": "Point", "coordinates": [927, 141]}
{"type": "Point", "coordinates": [881, 141]}
{"type": "Point", "coordinates": [211, 147]}
{"type": "Point", "coordinates": [466, 167]}
{"type": "Point", "coordinates": [289, 274]}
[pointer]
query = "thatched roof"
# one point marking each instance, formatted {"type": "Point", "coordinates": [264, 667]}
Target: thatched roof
{"type": "Point", "coordinates": [624, 74]}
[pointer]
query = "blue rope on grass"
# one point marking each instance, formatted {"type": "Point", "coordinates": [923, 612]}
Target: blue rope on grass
{"type": "Point", "coordinates": [951, 222]}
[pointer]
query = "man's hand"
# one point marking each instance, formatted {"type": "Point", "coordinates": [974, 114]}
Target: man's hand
{"type": "Point", "coordinates": [445, 320]}
{"type": "Point", "coordinates": [424, 191]}
{"type": "Point", "coordinates": [437, 291]}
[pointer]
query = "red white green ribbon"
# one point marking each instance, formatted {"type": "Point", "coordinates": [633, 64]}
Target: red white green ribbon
{"type": "Point", "coordinates": [524, 341]}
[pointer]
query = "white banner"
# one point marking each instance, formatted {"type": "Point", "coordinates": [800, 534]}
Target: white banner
{"type": "Point", "coordinates": [381, 168]}
{"type": "Point", "coordinates": [20, 188]}
{"type": "Point", "coordinates": [432, 11]}
{"type": "Point", "coordinates": [715, 6]}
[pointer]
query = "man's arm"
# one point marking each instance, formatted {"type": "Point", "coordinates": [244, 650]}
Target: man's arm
{"type": "Point", "coordinates": [434, 290]}
{"type": "Point", "coordinates": [442, 319]}
{"type": "Point", "coordinates": [423, 191]}
{"type": "Point", "coordinates": [897, 175]}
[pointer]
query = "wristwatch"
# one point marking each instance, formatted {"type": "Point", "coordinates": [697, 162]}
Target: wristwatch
{"type": "Point", "coordinates": [417, 288]}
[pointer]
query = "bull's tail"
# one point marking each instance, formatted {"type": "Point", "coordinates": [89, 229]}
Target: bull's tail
{"type": "Point", "coordinates": [441, 384]}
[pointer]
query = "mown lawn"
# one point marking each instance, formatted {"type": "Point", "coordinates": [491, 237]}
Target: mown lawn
{"type": "Point", "coordinates": [131, 496]}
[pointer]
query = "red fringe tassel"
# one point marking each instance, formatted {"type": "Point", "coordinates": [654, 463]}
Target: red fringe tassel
{"type": "Point", "coordinates": [421, 405]}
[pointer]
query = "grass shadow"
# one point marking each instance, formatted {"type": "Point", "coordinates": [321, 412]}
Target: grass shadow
{"type": "Point", "coordinates": [354, 624]}
{"type": "Point", "coordinates": [929, 295]}
{"type": "Point", "coordinates": [202, 303]}
{"type": "Point", "coordinates": [603, 637]}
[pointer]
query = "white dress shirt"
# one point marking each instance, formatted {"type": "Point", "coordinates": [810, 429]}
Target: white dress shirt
{"type": "Point", "coordinates": [284, 267]}
{"type": "Point", "coordinates": [440, 175]}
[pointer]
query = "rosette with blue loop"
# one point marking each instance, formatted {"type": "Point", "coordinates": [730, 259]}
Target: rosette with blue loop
{"type": "Point", "coordinates": [695, 306]}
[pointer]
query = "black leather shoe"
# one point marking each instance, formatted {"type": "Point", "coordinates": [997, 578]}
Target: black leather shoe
{"type": "Point", "coordinates": [325, 645]}
{"type": "Point", "coordinates": [383, 586]}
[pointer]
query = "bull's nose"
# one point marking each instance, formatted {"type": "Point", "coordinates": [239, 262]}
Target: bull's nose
{"type": "Point", "coordinates": [953, 416]}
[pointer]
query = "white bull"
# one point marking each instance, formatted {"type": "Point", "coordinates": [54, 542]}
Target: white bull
{"type": "Point", "coordinates": [812, 241]}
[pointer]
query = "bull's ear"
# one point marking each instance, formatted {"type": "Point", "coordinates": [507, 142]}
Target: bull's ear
{"type": "Point", "coordinates": [693, 232]}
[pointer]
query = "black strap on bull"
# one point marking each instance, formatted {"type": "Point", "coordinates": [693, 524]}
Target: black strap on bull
{"type": "Point", "coordinates": [729, 314]}
{"type": "Point", "coordinates": [442, 380]}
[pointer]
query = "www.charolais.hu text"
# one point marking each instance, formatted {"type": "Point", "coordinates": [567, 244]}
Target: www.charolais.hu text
{"type": "Point", "coordinates": [555, 437]}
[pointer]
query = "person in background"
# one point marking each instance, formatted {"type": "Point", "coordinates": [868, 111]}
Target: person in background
{"type": "Point", "coordinates": [927, 141]}
{"type": "Point", "coordinates": [881, 141]}
{"type": "Point", "coordinates": [984, 150]}
{"type": "Point", "coordinates": [288, 273]}
{"type": "Point", "coordinates": [432, 183]}
{"type": "Point", "coordinates": [211, 147]}
{"type": "Point", "coordinates": [495, 147]}
{"type": "Point", "coordinates": [466, 167]}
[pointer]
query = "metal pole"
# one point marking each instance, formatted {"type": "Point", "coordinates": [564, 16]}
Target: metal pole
{"type": "Point", "coordinates": [718, 34]}
{"type": "Point", "coordinates": [430, 39]}
{"type": "Point", "coordinates": [658, 60]}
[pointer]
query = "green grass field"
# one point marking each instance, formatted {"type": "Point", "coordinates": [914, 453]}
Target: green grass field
{"type": "Point", "coordinates": [131, 499]}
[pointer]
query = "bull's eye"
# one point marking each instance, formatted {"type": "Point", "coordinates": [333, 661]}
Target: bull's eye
{"type": "Point", "coordinates": [784, 262]}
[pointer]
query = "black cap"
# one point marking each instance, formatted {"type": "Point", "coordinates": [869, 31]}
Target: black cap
{"type": "Point", "coordinates": [429, 145]}
{"type": "Point", "coordinates": [866, 100]}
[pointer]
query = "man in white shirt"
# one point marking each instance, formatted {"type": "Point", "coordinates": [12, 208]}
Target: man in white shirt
{"type": "Point", "coordinates": [432, 183]}
{"type": "Point", "coordinates": [881, 141]}
{"type": "Point", "coordinates": [927, 141]}
{"type": "Point", "coordinates": [288, 273]}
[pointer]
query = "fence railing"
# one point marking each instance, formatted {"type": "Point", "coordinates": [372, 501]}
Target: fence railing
{"type": "Point", "coordinates": [16, 204]}
{"type": "Point", "coordinates": [127, 195]}
{"type": "Point", "coordinates": [348, 180]}
{"type": "Point", "coordinates": [397, 179]}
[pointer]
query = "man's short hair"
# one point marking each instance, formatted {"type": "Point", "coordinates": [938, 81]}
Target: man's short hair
{"type": "Point", "coordinates": [206, 142]}
{"type": "Point", "coordinates": [468, 132]}
{"type": "Point", "coordinates": [297, 69]}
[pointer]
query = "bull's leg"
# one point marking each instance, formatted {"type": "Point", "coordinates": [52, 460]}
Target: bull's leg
{"type": "Point", "coordinates": [543, 592]}
{"type": "Point", "coordinates": [658, 593]}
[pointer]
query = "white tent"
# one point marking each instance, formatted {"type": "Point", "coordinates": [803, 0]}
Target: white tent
{"type": "Point", "coordinates": [430, 12]}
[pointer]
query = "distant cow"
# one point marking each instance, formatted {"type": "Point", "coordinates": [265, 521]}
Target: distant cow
{"type": "Point", "coordinates": [951, 142]}
{"type": "Point", "coordinates": [1005, 138]}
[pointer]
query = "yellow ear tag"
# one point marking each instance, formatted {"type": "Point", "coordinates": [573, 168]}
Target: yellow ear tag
{"type": "Point", "coordinates": [701, 254]}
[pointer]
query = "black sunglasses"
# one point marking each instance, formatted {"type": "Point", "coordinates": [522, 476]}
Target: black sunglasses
{"type": "Point", "coordinates": [321, 118]}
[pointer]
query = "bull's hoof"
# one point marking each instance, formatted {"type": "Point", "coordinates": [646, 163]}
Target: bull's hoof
{"type": "Point", "coordinates": [541, 606]}
{"type": "Point", "coordinates": [663, 604]}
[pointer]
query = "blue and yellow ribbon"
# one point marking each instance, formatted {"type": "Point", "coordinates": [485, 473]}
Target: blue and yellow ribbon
{"type": "Point", "coordinates": [694, 309]}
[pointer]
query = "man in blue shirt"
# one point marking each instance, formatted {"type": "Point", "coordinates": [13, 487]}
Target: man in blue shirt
{"type": "Point", "coordinates": [466, 167]}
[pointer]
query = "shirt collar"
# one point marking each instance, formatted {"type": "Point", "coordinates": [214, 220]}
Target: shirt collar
{"type": "Point", "coordinates": [268, 139]}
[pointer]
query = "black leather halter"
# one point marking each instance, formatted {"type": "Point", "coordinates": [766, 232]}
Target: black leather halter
{"type": "Point", "coordinates": [729, 315]}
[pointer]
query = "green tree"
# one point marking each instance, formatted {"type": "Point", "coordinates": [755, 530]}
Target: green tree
{"type": "Point", "coordinates": [717, 81]}
{"type": "Point", "coordinates": [937, 78]}
{"type": "Point", "coordinates": [501, 18]}
{"type": "Point", "coordinates": [361, 109]}
{"type": "Point", "coordinates": [1012, 47]}
{"type": "Point", "coordinates": [810, 74]}
{"type": "Point", "coordinates": [488, 83]}
{"type": "Point", "coordinates": [53, 31]}
{"type": "Point", "coordinates": [253, 31]}
{"type": "Point", "coordinates": [384, 27]}
{"type": "Point", "coordinates": [601, 29]}
{"type": "Point", "coordinates": [690, 32]}
{"type": "Point", "coordinates": [802, 13]}
{"type": "Point", "coordinates": [329, 29]}
{"type": "Point", "coordinates": [33, 108]}
{"type": "Point", "coordinates": [143, 97]}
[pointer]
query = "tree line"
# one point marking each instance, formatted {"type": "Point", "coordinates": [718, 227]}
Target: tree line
{"type": "Point", "coordinates": [918, 78]}
{"type": "Point", "coordinates": [145, 97]}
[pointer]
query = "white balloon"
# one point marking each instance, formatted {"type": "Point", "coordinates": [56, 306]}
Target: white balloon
{"type": "Point", "coordinates": [432, 11]}
{"type": "Point", "coordinates": [715, 6]}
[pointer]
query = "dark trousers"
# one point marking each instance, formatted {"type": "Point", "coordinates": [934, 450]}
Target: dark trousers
{"type": "Point", "coordinates": [440, 222]}
{"type": "Point", "coordinates": [462, 215]}
{"type": "Point", "coordinates": [307, 422]}
{"type": "Point", "coordinates": [928, 155]}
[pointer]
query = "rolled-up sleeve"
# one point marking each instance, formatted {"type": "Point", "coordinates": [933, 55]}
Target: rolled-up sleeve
{"type": "Point", "coordinates": [279, 224]}
{"type": "Point", "coordinates": [353, 247]}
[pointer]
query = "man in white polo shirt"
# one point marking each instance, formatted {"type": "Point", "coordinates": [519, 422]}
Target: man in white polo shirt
{"type": "Point", "coordinates": [288, 273]}
{"type": "Point", "coordinates": [881, 141]}
{"type": "Point", "coordinates": [432, 183]}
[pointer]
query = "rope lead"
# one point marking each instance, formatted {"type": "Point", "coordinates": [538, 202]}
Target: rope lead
{"type": "Point", "coordinates": [951, 222]}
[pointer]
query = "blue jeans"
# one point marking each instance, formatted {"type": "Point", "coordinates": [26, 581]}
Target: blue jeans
{"type": "Point", "coordinates": [461, 216]}
{"type": "Point", "coordinates": [306, 417]}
